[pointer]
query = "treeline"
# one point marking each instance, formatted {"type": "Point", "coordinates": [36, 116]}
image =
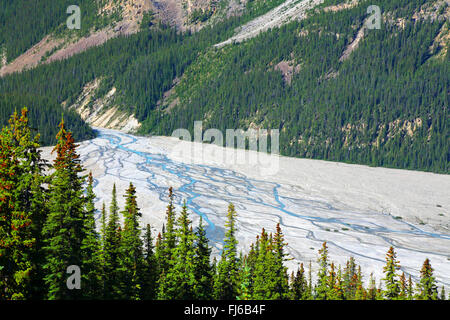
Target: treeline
{"type": "Point", "coordinates": [47, 224]}
{"type": "Point", "coordinates": [23, 23]}
{"type": "Point", "coordinates": [44, 116]}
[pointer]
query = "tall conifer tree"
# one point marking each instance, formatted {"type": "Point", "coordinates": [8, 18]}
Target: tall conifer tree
{"type": "Point", "coordinates": [22, 211]}
{"type": "Point", "coordinates": [131, 257]}
{"type": "Point", "coordinates": [111, 252]}
{"type": "Point", "coordinates": [392, 289]}
{"type": "Point", "coordinates": [64, 228]}
{"type": "Point", "coordinates": [203, 270]}
{"type": "Point", "coordinates": [427, 288]}
{"type": "Point", "coordinates": [91, 248]}
{"type": "Point", "coordinates": [226, 282]}
{"type": "Point", "coordinates": [150, 273]}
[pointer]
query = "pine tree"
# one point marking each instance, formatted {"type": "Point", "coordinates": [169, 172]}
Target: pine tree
{"type": "Point", "coordinates": [225, 284]}
{"type": "Point", "coordinates": [64, 228]}
{"type": "Point", "coordinates": [22, 210]}
{"type": "Point", "coordinates": [131, 258]}
{"type": "Point", "coordinates": [427, 289]}
{"type": "Point", "coordinates": [391, 282]}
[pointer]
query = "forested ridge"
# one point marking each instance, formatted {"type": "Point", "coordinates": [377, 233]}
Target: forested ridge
{"type": "Point", "coordinates": [23, 23]}
{"type": "Point", "coordinates": [48, 223]}
{"type": "Point", "coordinates": [384, 105]}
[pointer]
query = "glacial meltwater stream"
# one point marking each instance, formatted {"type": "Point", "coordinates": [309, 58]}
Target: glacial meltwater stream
{"type": "Point", "coordinates": [306, 219]}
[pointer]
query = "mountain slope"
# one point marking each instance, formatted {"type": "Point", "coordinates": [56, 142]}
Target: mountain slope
{"type": "Point", "coordinates": [336, 90]}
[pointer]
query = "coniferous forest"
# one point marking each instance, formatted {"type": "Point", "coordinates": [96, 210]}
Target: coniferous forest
{"type": "Point", "coordinates": [385, 105]}
{"type": "Point", "coordinates": [49, 225]}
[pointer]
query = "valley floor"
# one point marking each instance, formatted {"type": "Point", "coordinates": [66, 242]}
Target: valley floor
{"type": "Point", "coordinates": [360, 211]}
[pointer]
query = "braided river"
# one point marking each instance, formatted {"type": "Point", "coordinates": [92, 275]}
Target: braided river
{"type": "Point", "coordinates": [359, 211]}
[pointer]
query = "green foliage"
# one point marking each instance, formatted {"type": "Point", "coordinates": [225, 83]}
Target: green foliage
{"type": "Point", "coordinates": [150, 272]}
{"type": "Point", "coordinates": [427, 288]}
{"type": "Point", "coordinates": [44, 116]}
{"type": "Point", "coordinates": [323, 289]}
{"type": "Point", "coordinates": [23, 23]}
{"type": "Point", "coordinates": [225, 283]}
{"type": "Point", "coordinates": [352, 111]}
{"type": "Point", "coordinates": [91, 248]}
{"type": "Point", "coordinates": [131, 257]}
{"type": "Point", "coordinates": [64, 227]}
{"type": "Point", "coordinates": [203, 269]}
{"type": "Point", "coordinates": [47, 223]}
{"type": "Point", "coordinates": [356, 110]}
{"type": "Point", "coordinates": [22, 209]}
{"type": "Point", "coordinates": [111, 252]}
{"type": "Point", "coordinates": [392, 285]}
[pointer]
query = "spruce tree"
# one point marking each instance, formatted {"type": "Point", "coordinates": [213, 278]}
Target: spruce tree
{"type": "Point", "coordinates": [372, 290]}
{"type": "Point", "coordinates": [338, 290]}
{"type": "Point", "coordinates": [64, 227]}
{"type": "Point", "coordinates": [349, 279]}
{"type": "Point", "coordinates": [410, 289]}
{"type": "Point", "coordinates": [442, 296]}
{"type": "Point", "coordinates": [299, 285]}
{"type": "Point", "coordinates": [180, 281]}
{"type": "Point", "coordinates": [281, 289]}
{"type": "Point", "coordinates": [150, 273]}
{"type": "Point", "coordinates": [264, 273]}
{"type": "Point", "coordinates": [332, 279]}
{"type": "Point", "coordinates": [168, 241]}
{"type": "Point", "coordinates": [103, 224]}
{"type": "Point", "coordinates": [360, 293]}
{"type": "Point", "coordinates": [111, 250]}
{"type": "Point", "coordinates": [203, 270]}
{"type": "Point", "coordinates": [245, 282]}
{"type": "Point", "coordinates": [226, 282]}
{"type": "Point", "coordinates": [322, 289]}
{"type": "Point", "coordinates": [131, 257]}
{"type": "Point", "coordinates": [392, 287]}
{"type": "Point", "coordinates": [403, 287]}
{"type": "Point", "coordinates": [91, 248]}
{"type": "Point", "coordinates": [22, 211]}
{"type": "Point", "coordinates": [427, 288]}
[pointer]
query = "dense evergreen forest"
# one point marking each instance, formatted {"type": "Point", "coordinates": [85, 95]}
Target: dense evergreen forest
{"type": "Point", "coordinates": [357, 110]}
{"type": "Point", "coordinates": [49, 225]}
{"type": "Point", "coordinates": [23, 23]}
{"type": "Point", "coordinates": [385, 105]}
{"type": "Point", "coordinates": [44, 115]}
